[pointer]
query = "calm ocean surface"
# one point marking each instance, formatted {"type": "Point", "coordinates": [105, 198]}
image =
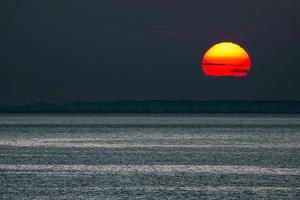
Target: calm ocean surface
{"type": "Point", "coordinates": [81, 156]}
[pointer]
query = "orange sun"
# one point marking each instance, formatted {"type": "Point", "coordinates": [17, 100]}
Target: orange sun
{"type": "Point", "coordinates": [226, 59]}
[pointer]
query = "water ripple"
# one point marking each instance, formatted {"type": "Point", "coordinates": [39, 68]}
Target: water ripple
{"type": "Point", "coordinates": [129, 169]}
{"type": "Point", "coordinates": [99, 144]}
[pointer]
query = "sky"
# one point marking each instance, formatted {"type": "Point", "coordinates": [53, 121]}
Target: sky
{"type": "Point", "coordinates": [72, 50]}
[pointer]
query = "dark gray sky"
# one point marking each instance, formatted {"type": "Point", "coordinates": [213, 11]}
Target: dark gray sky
{"type": "Point", "coordinates": [61, 51]}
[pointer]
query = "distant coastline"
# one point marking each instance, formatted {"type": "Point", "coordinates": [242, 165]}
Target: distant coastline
{"type": "Point", "coordinates": [235, 107]}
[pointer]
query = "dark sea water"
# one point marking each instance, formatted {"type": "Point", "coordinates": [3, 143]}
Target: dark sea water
{"type": "Point", "coordinates": [149, 156]}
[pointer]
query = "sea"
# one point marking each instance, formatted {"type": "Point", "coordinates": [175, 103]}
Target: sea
{"type": "Point", "coordinates": [149, 156]}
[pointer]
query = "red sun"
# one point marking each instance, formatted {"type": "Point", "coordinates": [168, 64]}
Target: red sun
{"type": "Point", "coordinates": [226, 59]}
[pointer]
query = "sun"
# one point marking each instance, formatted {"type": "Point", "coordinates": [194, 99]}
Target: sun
{"type": "Point", "coordinates": [226, 59]}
